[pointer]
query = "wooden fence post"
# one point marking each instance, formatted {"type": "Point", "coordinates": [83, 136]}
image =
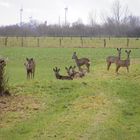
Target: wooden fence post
{"type": "Point", "coordinates": [6, 41]}
{"type": "Point", "coordinates": [38, 43]}
{"type": "Point", "coordinates": [127, 42]}
{"type": "Point", "coordinates": [81, 41]}
{"type": "Point", "coordinates": [21, 41]}
{"type": "Point", "coordinates": [104, 43]}
{"type": "Point", "coordinates": [60, 42]}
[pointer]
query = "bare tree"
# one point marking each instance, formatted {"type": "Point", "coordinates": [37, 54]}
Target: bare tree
{"type": "Point", "coordinates": [119, 13]}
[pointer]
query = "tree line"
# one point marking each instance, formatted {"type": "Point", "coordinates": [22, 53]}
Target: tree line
{"type": "Point", "coordinates": [121, 23]}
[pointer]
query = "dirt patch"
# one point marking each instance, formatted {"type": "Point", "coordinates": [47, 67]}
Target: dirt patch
{"type": "Point", "coordinates": [17, 108]}
{"type": "Point", "coordinates": [90, 102]}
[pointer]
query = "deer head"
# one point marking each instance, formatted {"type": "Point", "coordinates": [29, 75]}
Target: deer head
{"type": "Point", "coordinates": [30, 67]}
{"type": "Point", "coordinates": [74, 56]}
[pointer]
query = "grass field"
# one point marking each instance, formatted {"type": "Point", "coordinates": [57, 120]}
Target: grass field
{"type": "Point", "coordinates": [100, 106]}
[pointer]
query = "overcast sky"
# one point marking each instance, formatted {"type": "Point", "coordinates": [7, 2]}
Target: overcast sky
{"type": "Point", "coordinates": [51, 10]}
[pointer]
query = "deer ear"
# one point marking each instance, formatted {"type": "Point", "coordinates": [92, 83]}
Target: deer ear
{"type": "Point", "coordinates": [66, 68]}
{"type": "Point", "coordinates": [126, 51]}
{"type": "Point", "coordinates": [27, 59]}
{"type": "Point", "coordinates": [58, 70]}
{"type": "Point", "coordinates": [32, 59]}
{"type": "Point", "coordinates": [129, 51]}
{"type": "Point", "coordinates": [117, 49]}
{"type": "Point", "coordinates": [74, 67]}
{"type": "Point", "coordinates": [53, 69]}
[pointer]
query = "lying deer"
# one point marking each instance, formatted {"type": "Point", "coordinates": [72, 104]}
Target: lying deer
{"type": "Point", "coordinates": [80, 62]}
{"type": "Point", "coordinates": [123, 63]}
{"type": "Point", "coordinates": [73, 73]}
{"type": "Point", "coordinates": [113, 59]}
{"type": "Point", "coordinates": [58, 76]}
{"type": "Point", "coordinates": [30, 67]}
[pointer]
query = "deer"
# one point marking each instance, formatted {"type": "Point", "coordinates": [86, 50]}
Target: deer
{"type": "Point", "coordinates": [73, 73]}
{"type": "Point", "coordinates": [123, 63]}
{"type": "Point", "coordinates": [113, 59]}
{"type": "Point", "coordinates": [30, 67]}
{"type": "Point", "coordinates": [61, 77]}
{"type": "Point", "coordinates": [82, 61]}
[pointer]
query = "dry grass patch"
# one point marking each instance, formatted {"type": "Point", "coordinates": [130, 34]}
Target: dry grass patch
{"type": "Point", "coordinates": [17, 108]}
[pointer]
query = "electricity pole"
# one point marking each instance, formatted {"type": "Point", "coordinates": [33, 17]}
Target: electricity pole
{"type": "Point", "coordinates": [66, 10]}
{"type": "Point", "coordinates": [21, 10]}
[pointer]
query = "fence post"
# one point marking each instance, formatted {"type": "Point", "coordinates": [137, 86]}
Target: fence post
{"type": "Point", "coordinates": [127, 42]}
{"type": "Point", "coordinates": [81, 41]}
{"type": "Point", "coordinates": [6, 41]}
{"type": "Point", "coordinates": [104, 43]}
{"type": "Point", "coordinates": [38, 43]}
{"type": "Point", "coordinates": [21, 41]}
{"type": "Point", "coordinates": [60, 42]}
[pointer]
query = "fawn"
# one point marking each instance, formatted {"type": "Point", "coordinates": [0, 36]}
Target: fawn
{"type": "Point", "coordinates": [113, 59]}
{"type": "Point", "coordinates": [30, 67]}
{"type": "Point", "coordinates": [61, 77]}
{"type": "Point", "coordinates": [81, 61]}
{"type": "Point", "coordinates": [73, 73]}
{"type": "Point", "coordinates": [123, 63]}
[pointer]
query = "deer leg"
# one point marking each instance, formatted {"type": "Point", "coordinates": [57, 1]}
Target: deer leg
{"type": "Point", "coordinates": [127, 69]}
{"type": "Point", "coordinates": [117, 68]}
{"type": "Point", "coordinates": [27, 75]}
{"type": "Point", "coordinates": [79, 68]}
{"type": "Point", "coordinates": [108, 65]}
{"type": "Point", "coordinates": [88, 65]}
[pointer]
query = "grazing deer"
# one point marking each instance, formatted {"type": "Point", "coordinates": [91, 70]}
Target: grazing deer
{"type": "Point", "coordinates": [82, 61]}
{"type": "Point", "coordinates": [113, 59]}
{"type": "Point", "coordinates": [30, 67]}
{"type": "Point", "coordinates": [73, 73]}
{"type": "Point", "coordinates": [58, 76]}
{"type": "Point", "coordinates": [123, 63]}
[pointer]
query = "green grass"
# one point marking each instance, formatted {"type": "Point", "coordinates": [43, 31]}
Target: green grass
{"type": "Point", "coordinates": [100, 106]}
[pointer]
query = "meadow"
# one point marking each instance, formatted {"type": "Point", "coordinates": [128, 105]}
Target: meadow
{"type": "Point", "coordinates": [99, 106]}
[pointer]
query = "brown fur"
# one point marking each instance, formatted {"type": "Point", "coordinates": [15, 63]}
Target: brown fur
{"type": "Point", "coordinates": [113, 59]}
{"type": "Point", "coordinates": [123, 63]}
{"type": "Point", "coordinates": [61, 77]}
{"type": "Point", "coordinates": [82, 61]}
{"type": "Point", "coordinates": [73, 73]}
{"type": "Point", "coordinates": [30, 67]}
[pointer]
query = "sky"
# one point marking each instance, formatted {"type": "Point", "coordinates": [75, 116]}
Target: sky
{"type": "Point", "coordinates": [53, 11]}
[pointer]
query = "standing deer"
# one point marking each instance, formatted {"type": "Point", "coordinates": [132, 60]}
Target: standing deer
{"type": "Point", "coordinates": [82, 61]}
{"type": "Point", "coordinates": [30, 67]}
{"type": "Point", "coordinates": [123, 63]}
{"type": "Point", "coordinates": [113, 59]}
{"type": "Point", "coordinates": [58, 76]}
{"type": "Point", "coordinates": [73, 73]}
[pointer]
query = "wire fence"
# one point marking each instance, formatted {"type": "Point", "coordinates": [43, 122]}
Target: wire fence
{"type": "Point", "coordinates": [69, 42]}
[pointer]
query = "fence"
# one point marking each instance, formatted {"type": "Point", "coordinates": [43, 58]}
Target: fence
{"type": "Point", "coordinates": [69, 42]}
